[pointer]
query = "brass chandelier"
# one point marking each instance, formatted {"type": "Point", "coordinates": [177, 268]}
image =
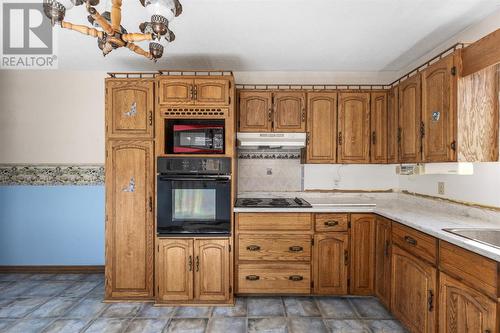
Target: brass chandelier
{"type": "Point", "coordinates": [106, 27]}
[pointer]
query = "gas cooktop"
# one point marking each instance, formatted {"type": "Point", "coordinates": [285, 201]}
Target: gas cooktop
{"type": "Point", "coordinates": [273, 203]}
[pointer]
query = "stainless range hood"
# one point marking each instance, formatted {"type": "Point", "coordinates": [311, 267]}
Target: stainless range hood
{"type": "Point", "coordinates": [271, 140]}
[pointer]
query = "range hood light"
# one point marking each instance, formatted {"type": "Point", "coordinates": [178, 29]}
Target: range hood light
{"type": "Point", "coordinates": [271, 140]}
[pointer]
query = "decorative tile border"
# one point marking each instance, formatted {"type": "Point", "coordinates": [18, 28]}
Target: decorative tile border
{"type": "Point", "coordinates": [38, 175]}
{"type": "Point", "coordinates": [269, 154]}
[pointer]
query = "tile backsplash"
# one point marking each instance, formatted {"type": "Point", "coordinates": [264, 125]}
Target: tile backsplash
{"type": "Point", "coordinates": [269, 171]}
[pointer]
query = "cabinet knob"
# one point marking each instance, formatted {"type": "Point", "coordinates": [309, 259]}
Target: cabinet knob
{"type": "Point", "coordinates": [197, 263]}
{"type": "Point", "coordinates": [190, 263]}
{"type": "Point", "coordinates": [253, 248]}
{"type": "Point", "coordinates": [331, 223]}
{"type": "Point", "coordinates": [295, 248]}
{"type": "Point", "coordinates": [252, 277]}
{"type": "Point", "coordinates": [296, 278]}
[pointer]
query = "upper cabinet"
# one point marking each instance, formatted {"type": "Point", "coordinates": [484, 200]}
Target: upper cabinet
{"type": "Point", "coordinates": [321, 127]}
{"type": "Point", "coordinates": [267, 111]}
{"type": "Point", "coordinates": [409, 120]}
{"type": "Point", "coordinates": [189, 91]}
{"type": "Point", "coordinates": [379, 121]}
{"type": "Point", "coordinates": [129, 108]}
{"type": "Point", "coordinates": [439, 82]}
{"type": "Point", "coordinates": [255, 113]}
{"type": "Point", "coordinates": [289, 112]}
{"type": "Point", "coordinates": [393, 136]}
{"type": "Point", "coordinates": [354, 127]}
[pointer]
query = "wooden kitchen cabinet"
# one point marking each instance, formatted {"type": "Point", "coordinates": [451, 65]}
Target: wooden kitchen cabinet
{"type": "Point", "coordinates": [413, 291]}
{"type": "Point", "coordinates": [464, 309]}
{"type": "Point", "coordinates": [321, 127]}
{"type": "Point", "coordinates": [362, 261]}
{"type": "Point", "coordinates": [393, 135]}
{"type": "Point", "coordinates": [439, 87]}
{"type": "Point", "coordinates": [194, 270]}
{"type": "Point", "coordinates": [129, 108]}
{"type": "Point", "coordinates": [330, 263]}
{"type": "Point", "coordinates": [289, 112]}
{"type": "Point", "coordinates": [383, 243]}
{"type": "Point", "coordinates": [409, 120]}
{"type": "Point", "coordinates": [255, 112]}
{"type": "Point", "coordinates": [378, 114]}
{"type": "Point", "coordinates": [353, 137]}
{"type": "Point", "coordinates": [189, 91]}
{"type": "Point", "coordinates": [129, 219]}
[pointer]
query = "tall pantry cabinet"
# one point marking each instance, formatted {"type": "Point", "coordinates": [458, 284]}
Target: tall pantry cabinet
{"type": "Point", "coordinates": [129, 188]}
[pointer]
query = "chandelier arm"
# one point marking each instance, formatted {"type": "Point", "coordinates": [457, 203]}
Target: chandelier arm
{"type": "Point", "coordinates": [116, 15]}
{"type": "Point", "coordinates": [101, 21]}
{"type": "Point", "coordinates": [139, 50]}
{"type": "Point", "coordinates": [136, 37]}
{"type": "Point", "coordinates": [82, 29]}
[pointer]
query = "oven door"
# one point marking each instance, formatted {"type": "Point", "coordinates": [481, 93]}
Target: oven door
{"type": "Point", "coordinates": [193, 205]}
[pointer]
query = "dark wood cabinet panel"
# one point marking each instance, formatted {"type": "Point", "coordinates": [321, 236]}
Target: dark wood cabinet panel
{"type": "Point", "coordinates": [321, 127]}
{"type": "Point", "coordinates": [211, 267]}
{"type": "Point", "coordinates": [255, 112]}
{"type": "Point", "coordinates": [362, 254]}
{"type": "Point", "coordinates": [393, 135]}
{"type": "Point", "coordinates": [289, 112]}
{"type": "Point", "coordinates": [383, 243]}
{"type": "Point", "coordinates": [378, 114]}
{"type": "Point", "coordinates": [176, 91]}
{"type": "Point", "coordinates": [353, 136]}
{"type": "Point", "coordinates": [212, 91]}
{"type": "Point", "coordinates": [409, 120]}
{"type": "Point", "coordinates": [330, 263]}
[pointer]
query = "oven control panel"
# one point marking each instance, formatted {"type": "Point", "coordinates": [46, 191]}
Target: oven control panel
{"type": "Point", "coordinates": [194, 165]}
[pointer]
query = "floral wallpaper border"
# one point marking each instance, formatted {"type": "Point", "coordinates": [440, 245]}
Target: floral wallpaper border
{"type": "Point", "coordinates": [269, 155]}
{"type": "Point", "coordinates": [38, 174]}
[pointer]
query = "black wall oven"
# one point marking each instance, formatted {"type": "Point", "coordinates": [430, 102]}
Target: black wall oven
{"type": "Point", "coordinates": [194, 196]}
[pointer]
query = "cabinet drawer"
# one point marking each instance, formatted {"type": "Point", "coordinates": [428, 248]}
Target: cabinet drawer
{"type": "Point", "coordinates": [274, 278]}
{"type": "Point", "coordinates": [415, 242]}
{"type": "Point", "coordinates": [273, 221]}
{"type": "Point", "coordinates": [473, 269]}
{"type": "Point", "coordinates": [331, 222]}
{"type": "Point", "coordinates": [274, 248]}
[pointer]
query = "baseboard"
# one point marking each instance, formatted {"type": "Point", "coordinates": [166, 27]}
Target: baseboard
{"type": "Point", "coordinates": [52, 269]}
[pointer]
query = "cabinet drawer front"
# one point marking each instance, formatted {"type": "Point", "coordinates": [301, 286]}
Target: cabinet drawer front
{"type": "Point", "coordinates": [473, 269]}
{"type": "Point", "coordinates": [331, 222]}
{"type": "Point", "coordinates": [271, 248]}
{"type": "Point", "coordinates": [415, 242]}
{"type": "Point", "coordinates": [273, 221]}
{"type": "Point", "coordinates": [274, 278]}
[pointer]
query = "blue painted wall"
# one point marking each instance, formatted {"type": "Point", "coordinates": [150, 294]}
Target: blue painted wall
{"type": "Point", "coordinates": [51, 225]}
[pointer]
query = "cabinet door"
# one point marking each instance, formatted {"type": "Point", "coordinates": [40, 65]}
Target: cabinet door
{"type": "Point", "coordinates": [378, 115]}
{"type": "Point", "coordinates": [129, 219]}
{"type": "Point", "coordinates": [321, 127]}
{"type": "Point", "coordinates": [413, 292]}
{"type": "Point", "coordinates": [354, 128]}
{"type": "Point", "coordinates": [255, 114]}
{"type": "Point", "coordinates": [409, 120]}
{"type": "Point", "coordinates": [211, 269]}
{"type": "Point", "coordinates": [289, 112]}
{"type": "Point", "coordinates": [330, 260]}
{"type": "Point", "coordinates": [362, 253]}
{"type": "Point", "coordinates": [129, 108]}
{"type": "Point", "coordinates": [439, 111]}
{"type": "Point", "coordinates": [383, 260]}
{"type": "Point", "coordinates": [174, 270]}
{"type": "Point", "coordinates": [463, 309]}
{"type": "Point", "coordinates": [393, 137]}
{"type": "Point", "coordinates": [176, 91]}
{"type": "Point", "coordinates": [212, 91]}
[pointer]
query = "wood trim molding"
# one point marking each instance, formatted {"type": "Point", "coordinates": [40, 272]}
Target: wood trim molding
{"type": "Point", "coordinates": [481, 54]}
{"type": "Point", "coordinates": [53, 269]}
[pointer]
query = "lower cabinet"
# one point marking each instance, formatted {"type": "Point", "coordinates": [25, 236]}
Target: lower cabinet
{"type": "Point", "coordinates": [362, 254]}
{"type": "Point", "coordinates": [463, 309]}
{"type": "Point", "coordinates": [383, 238]}
{"type": "Point", "coordinates": [196, 270]}
{"type": "Point", "coordinates": [413, 292]}
{"type": "Point", "coordinates": [330, 263]}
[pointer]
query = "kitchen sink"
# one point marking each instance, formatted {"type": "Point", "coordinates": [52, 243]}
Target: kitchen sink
{"type": "Point", "coordinates": [486, 236]}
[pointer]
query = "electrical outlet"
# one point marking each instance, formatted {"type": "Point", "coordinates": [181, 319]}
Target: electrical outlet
{"type": "Point", "coordinates": [441, 188]}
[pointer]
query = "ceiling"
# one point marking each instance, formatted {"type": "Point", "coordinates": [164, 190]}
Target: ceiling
{"type": "Point", "coordinates": [286, 35]}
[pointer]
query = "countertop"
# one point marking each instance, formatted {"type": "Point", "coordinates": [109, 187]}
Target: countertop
{"type": "Point", "coordinates": [427, 215]}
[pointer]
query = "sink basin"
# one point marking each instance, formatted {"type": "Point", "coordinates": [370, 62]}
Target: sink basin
{"type": "Point", "coordinates": [486, 236]}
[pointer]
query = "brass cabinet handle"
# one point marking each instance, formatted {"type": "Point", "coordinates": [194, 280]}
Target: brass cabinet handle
{"type": "Point", "coordinates": [197, 263]}
{"type": "Point", "coordinates": [308, 138]}
{"type": "Point", "coordinates": [411, 240]}
{"type": "Point", "coordinates": [386, 249]}
{"type": "Point", "coordinates": [346, 257]}
{"type": "Point", "coordinates": [150, 204]}
{"type": "Point", "coordinates": [191, 91]}
{"type": "Point", "coordinates": [303, 114]}
{"type": "Point", "coordinates": [430, 301]}
{"type": "Point", "coordinates": [269, 114]}
{"type": "Point", "coordinates": [374, 137]}
{"type": "Point", "coordinates": [331, 223]}
{"type": "Point", "coordinates": [253, 248]}
{"type": "Point", "coordinates": [340, 139]}
{"type": "Point", "coordinates": [252, 277]}
{"type": "Point", "coordinates": [195, 92]}
{"type": "Point", "coordinates": [295, 278]}
{"type": "Point", "coordinates": [150, 118]}
{"type": "Point", "coordinates": [190, 263]}
{"type": "Point", "coordinates": [296, 248]}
